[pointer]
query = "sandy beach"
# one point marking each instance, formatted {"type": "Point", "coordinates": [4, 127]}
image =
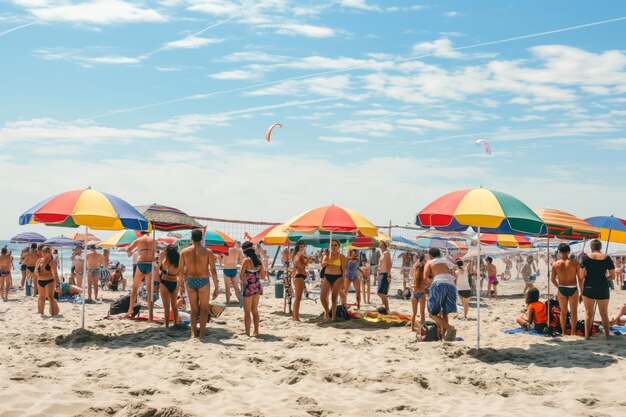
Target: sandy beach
{"type": "Point", "coordinates": [127, 368]}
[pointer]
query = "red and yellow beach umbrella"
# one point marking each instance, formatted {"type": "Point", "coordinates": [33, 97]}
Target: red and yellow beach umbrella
{"type": "Point", "coordinates": [272, 236]}
{"type": "Point", "coordinates": [566, 226]}
{"type": "Point", "coordinates": [331, 219]}
{"type": "Point", "coordinates": [505, 241]}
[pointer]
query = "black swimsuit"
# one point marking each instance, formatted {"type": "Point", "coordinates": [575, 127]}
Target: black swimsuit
{"type": "Point", "coordinates": [170, 285]}
{"type": "Point", "coordinates": [596, 284]}
{"type": "Point", "coordinates": [44, 282]}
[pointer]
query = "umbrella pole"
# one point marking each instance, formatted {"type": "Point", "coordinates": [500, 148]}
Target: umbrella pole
{"type": "Point", "coordinates": [548, 262]}
{"type": "Point", "coordinates": [276, 256]}
{"type": "Point", "coordinates": [85, 278]}
{"type": "Point", "coordinates": [478, 272]}
{"type": "Point", "coordinates": [608, 241]}
{"type": "Point", "coordinates": [150, 298]}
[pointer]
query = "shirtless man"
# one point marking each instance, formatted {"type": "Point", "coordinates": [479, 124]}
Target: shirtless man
{"type": "Point", "coordinates": [229, 263]}
{"type": "Point", "coordinates": [78, 262]}
{"type": "Point", "coordinates": [6, 265]}
{"type": "Point", "coordinates": [94, 263]}
{"type": "Point", "coordinates": [145, 248]}
{"type": "Point", "coordinates": [30, 259]}
{"type": "Point", "coordinates": [442, 298]}
{"type": "Point", "coordinates": [492, 277]}
{"type": "Point", "coordinates": [406, 267]}
{"type": "Point", "coordinates": [198, 262]}
{"type": "Point", "coordinates": [567, 277]}
{"type": "Point", "coordinates": [23, 267]}
{"type": "Point", "coordinates": [384, 275]}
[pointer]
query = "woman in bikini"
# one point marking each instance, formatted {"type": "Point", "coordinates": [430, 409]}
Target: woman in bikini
{"type": "Point", "coordinates": [352, 276]}
{"type": "Point", "coordinates": [300, 262]}
{"type": "Point", "coordinates": [335, 264]}
{"type": "Point", "coordinates": [6, 264]}
{"type": "Point", "coordinates": [47, 278]}
{"type": "Point", "coordinates": [419, 289]}
{"type": "Point", "coordinates": [169, 280]}
{"type": "Point", "coordinates": [365, 272]}
{"type": "Point", "coordinates": [251, 272]}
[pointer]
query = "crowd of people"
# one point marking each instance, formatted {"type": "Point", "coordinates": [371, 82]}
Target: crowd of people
{"type": "Point", "coordinates": [433, 281]}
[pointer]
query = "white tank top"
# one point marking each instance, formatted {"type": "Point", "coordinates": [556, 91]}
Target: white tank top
{"type": "Point", "coordinates": [462, 283]}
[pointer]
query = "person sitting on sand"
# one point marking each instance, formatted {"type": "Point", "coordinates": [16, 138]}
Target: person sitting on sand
{"type": "Point", "coordinates": [419, 290]}
{"type": "Point", "coordinates": [251, 272]}
{"type": "Point", "coordinates": [463, 286]}
{"type": "Point", "coordinates": [198, 262]}
{"type": "Point", "coordinates": [116, 278]}
{"type": "Point", "coordinates": [492, 277]}
{"type": "Point", "coordinates": [442, 296]}
{"type": "Point", "coordinates": [145, 247]}
{"type": "Point", "coordinates": [6, 264]}
{"type": "Point", "coordinates": [365, 272]}
{"type": "Point", "coordinates": [384, 274]}
{"type": "Point", "coordinates": [46, 273]}
{"type": "Point", "coordinates": [94, 265]}
{"type": "Point", "coordinates": [65, 288]}
{"type": "Point", "coordinates": [620, 318]}
{"type": "Point", "coordinates": [352, 276]}
{"type": "Point", "coordinates": [535, 316]}
{"type": "Point", "coordinates": [169, 280]}
{"type": "Point", "coordinates": [335, 264]}
{"type": "Point", "coordinates": [229, 265]}
{"type": "Point", "coordinates": [300, 262]}
{"type": "Point", "coordinates": [567, 277]}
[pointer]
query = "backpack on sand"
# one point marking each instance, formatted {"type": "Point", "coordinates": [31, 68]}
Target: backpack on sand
{"type": "Point", "coordinates": [431, 331]}
{"type": "Point", "coordinates": [121, 305]}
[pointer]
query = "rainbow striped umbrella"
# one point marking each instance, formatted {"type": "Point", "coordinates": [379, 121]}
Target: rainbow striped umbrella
{"type": "Point", "coordinates": [427, 243]}
{"type": "Point", "coordinates": [120, 239]}
{"type": "Point", "coordinates": [91, 208]}
{"type": "Point", "coordinates": [566, 226]}
{"type": "Point", "coordinates": [505, 241]}
{"type": "Point", "coordinates": [331, 219]}
{"type": "Point", "coordinates": [215, 240]}
{"type": "Point", "coordinates": [480, 208]}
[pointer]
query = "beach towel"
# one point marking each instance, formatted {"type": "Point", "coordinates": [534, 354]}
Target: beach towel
{"type": "Point", "coordinates": [618, 330]}
{"type": "Point", "coordinates": [67, 299]}
{"type": "Point", "coordinates": [519, 330]}
{"type": "Point", "coordinates": [387, 318]}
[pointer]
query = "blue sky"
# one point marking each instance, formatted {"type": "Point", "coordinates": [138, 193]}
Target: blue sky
{"type": "Point", "coordinates": [381, 102]}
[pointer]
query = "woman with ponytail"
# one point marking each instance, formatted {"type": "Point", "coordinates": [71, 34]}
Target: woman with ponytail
{"type": "Point", "coordinates": [251, 288]}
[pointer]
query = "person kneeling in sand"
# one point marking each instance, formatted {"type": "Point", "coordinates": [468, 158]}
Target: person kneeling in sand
{"type": "Point", "coordinates": [199, 263]}
{"type": "Point", "coordinates": [535, 316]}
{"type": "Point", "coordinates": [65, 289]}
{"type": "Point", "coordinates": [442, 297]}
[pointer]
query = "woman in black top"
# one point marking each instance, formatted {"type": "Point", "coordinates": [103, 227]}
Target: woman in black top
{"type": "Point", "coordinates": [596, 286]}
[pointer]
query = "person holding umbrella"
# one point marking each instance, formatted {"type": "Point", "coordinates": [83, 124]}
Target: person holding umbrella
{"type": "Point", "coordinates": [47, 278]}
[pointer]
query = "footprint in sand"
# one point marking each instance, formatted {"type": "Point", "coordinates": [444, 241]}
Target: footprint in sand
{"type": "Point", "coordinates": [143, 391]}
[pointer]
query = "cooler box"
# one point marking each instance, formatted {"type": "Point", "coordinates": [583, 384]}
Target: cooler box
{"type": "Point", "coordinates": [279, 289]}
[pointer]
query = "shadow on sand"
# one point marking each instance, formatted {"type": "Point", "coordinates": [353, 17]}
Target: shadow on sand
{"type": "Point", "coordinates": [558, 353]}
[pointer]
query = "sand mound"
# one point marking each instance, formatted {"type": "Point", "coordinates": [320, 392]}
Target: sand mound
{"type": "Point", "coordinates": [81, 336]}
{"type": "Point", "coordinates": [136, 409]}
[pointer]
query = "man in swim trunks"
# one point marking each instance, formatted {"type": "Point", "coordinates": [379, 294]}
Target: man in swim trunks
{"type": "Point", "coordinates": [198, 262]}
{"type": "Point", "coordinates": [567, 277]}
{"type": "Point", "coordinates": [23, 267]}
{"type": "Point", "coordinates": [384, 274]}
{"type": "Point", "coordinates": [78, 264]}
{"type": "Point", "coordinates": [492, 277]}
{"type": "Point", "coordinates": [94, 265]}
{"type": "Point", "coordinates": [374, 259]}
{"type": "Point", "coordinates": [442, 296]}
{"type": "Point", "coordinates": [229, 263]}
{"type": "Point", "coordinates": [145, 248]}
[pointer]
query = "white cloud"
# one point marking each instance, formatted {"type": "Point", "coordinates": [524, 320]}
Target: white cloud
{"type": "Point", "coordinates": [452, 14]}
{"type": "Point", "coordinates": [324, 86]}
{"type": "Point", "coordinates": [98, 12]}
{"type": "Point", "coordinates": [191, 42]}
{"type": "Point", "coordinates": [254, 56]}
{"type": "Point", "coordinates": [112, 60]}
{"type": "Point", "coordinates": [342, 139]}
{"type": "Point", "coordinates": [429, 124]}
{"type": "Point", "coordinates": [359, 4]}
{"type": "Point", "coordinates": [168, 69]}
{"type": "Point", "coordinates": [527, 118]}
{"type": "Point", "coordinates": [441, 48]}
{"type": "Point", "coordinates": [235, 75]}
{"type": "Point", "coordinates": [363, 127]}
{"type": "Point", "coordinates": [311, 31]}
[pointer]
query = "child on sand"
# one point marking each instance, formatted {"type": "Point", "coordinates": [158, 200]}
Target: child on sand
{"type": "Point", "coordinates": [535, 316]}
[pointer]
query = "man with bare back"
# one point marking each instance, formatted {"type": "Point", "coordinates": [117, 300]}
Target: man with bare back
{"type": "Point", "coordinates": [230, 261]}
{"type": "Point", "coordinates": [144, 247]}
{"type": "Point", "coordinates": [567, 277]}
{"type": "Point", "coordinates": [198, 262]}
{"type": "Point", "coordinates": [94, 269]}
